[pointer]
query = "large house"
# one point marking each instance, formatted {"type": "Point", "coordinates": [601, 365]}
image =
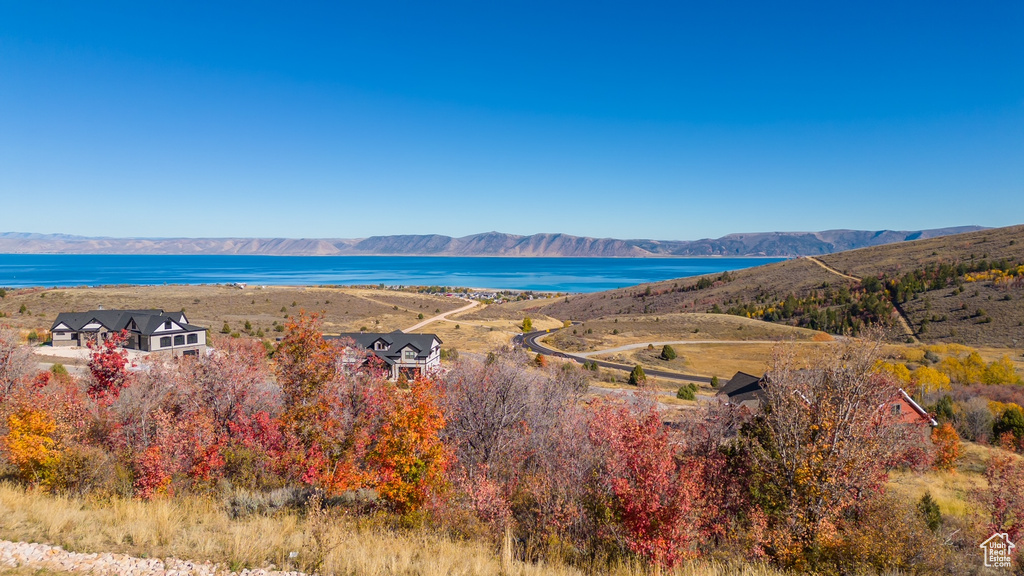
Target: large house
{"type": "Point", "coordinates": [748, 390]}
{"type": "Point", "coordinates": [408, 355]}
{"type": "Point", "coordinates": [147, 330]}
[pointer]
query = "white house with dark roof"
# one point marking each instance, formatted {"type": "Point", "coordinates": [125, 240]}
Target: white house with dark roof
{"type": "Point", "coordinates": [410, 355]}
{"type": "Point", "coordinates": [148, 330]}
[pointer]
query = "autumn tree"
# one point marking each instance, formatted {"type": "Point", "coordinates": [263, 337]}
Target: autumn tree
{"type": "Point", "coordinates": [16, 362]}
{"type": "Point", "coordinates": [108, 365]}
{"type": "Point", "coordinates": [408, 458]}
{"type": "Point", "coordinates": [527, 324]}
{"type": "Point", "coordinates": [948, 448]}
{"type": "Point", "coordinates": [823, 443]}
{"type": "Point", "coordinates": [648, 494]}
{"type": "Point", "coordinates": [30, 443]}
{"type": "Point", "coordinates": [306, 364]}
{"type": "Point", "coordinates": [518, 437]}
{"type": "Point", "coordinates": [1003, 498]}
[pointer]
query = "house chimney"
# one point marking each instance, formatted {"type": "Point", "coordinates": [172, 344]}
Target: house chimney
{"type": "Point", "coordinates": [100, 307]}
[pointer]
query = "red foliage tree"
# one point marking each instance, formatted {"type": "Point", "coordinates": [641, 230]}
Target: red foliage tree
{"type": "Point", "coordinates": [1003, 499]}
{"type": "Point", "coordinates": [648, 492]}
{"type": "Point", "coordinates": [108, 365]}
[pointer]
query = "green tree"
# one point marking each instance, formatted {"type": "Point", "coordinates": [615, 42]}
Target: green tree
{"type": "Point", "coordinates": [420, 315]}
{"type": "Point", "coordinates": [226, 329]}
{"type": "Point", "coordinates": [1011, 421]}
{"type": "Point", "coordinates": [23, 309]}
{"type": "Point", "coordinates": [637, 376]}
{"type": "Point", "coordinates": [929, 509]}
{"type": "Point", "coordinates": [668, 353]}
{"type": "Point", "coordinates": [527, 324]}
{"type": "Point", "coordinates": [714, 381]}
{"type": "Point", "coordinates": [687, 392]}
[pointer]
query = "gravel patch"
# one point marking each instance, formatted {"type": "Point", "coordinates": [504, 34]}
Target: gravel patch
{"type": "Point", "coordinates": [36, 556]}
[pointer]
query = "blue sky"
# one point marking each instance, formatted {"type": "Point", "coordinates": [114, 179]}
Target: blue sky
{"type": "Point", "coordinates": [662, 120]}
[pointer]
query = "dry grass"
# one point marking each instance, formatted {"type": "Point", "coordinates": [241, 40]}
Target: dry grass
{"type": "Point", "coordinates": [198, 529]}
{"type": "Point", "coordinates": [951, 490]}
{"type": "Point", "coordinates": [722, 360]}
{"type": "Point", "coordinates": [605, 333]}
{"type": "Point", "coordinates": [345, 309]}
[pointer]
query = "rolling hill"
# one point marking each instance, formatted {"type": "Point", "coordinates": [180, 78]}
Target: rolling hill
{"type": "Point", "coordinates": [776, 244]}
{"type": "Point", "coordinates": [831, 293]}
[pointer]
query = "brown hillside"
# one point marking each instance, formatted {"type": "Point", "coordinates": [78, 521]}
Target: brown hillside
{"type": "Point", "coordinates": [799, 276]}
{"type": "Point", "coordinates": [993, 244]}
{"type": "Point", "coordinates": [982, 313]}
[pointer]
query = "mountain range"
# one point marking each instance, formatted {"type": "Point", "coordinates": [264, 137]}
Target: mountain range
{"type": "Point", "coordinates": [769, 244]}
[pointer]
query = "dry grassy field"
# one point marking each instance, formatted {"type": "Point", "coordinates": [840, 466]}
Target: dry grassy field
{"type": "Point", "coordinates": [344, 309]}
{"type": "Point", "coordinates": [610, 332]}
{"type": "Point", "coordinates": [200, 529]}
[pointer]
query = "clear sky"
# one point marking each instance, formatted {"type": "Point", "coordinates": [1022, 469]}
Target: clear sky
{"type": "Point", "coordinates": [666, 120]}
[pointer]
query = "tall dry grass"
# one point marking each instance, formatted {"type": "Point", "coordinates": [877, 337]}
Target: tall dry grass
{"type": "Point", "coordinates": [199, 529]}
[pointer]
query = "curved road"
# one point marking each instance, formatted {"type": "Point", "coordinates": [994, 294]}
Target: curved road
{"type": "Point", "coordinates": [444, 316]}
{"type": "Point", "coordinates": [529, 341]}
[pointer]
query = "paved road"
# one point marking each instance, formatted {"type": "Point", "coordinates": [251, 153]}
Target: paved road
{"type": "Point", "coordinates": [444, 316]}
{"type": "Point", "coordinates": [677, 343]}
{"type": "Point", "coordinates": [529, 341]}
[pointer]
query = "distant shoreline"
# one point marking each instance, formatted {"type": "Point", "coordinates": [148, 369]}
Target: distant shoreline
{"type": "Point", "coordinates": [547, 274]}
{"type": "Point", "coordinates": [646, 257]}
{"type": "Point", "coordinates": [485, 245]}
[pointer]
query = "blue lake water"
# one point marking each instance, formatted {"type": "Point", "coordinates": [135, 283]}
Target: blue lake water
{"type": "Point", "coordinates": [545, 274]}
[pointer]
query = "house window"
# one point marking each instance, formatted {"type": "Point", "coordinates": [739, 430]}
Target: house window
{"type": "Point", "coordinates": [167, 325]}
{"type": "Point", "coordinates": [193, 338]}
{"type": "Point", "coordinates": [410, 355]}
{"type": "Point", "coordinates": [179, 340]}
{"type": "Point", "coordinates": [896, 409]}
{"type": "Point", "coordinates": [165, 342]}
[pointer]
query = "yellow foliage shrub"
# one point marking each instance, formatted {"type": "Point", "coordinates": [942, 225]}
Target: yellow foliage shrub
{"type": "Point", "coordinates": [998, 408]}
{"type": "Point", "coordinates": [929, 379]}
{"type": "Point", "coordinates": [915, 355]}
{"type": "Point", "coordinates": [897, 370]}
{"type": "Point", "coordinates": [1000, 371]}
{"type": "Point", "coordinates": [30, 443]}
{"type": "Point", "coordinates": [965, 370]}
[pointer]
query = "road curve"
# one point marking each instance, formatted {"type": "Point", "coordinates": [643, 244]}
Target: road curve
{"type": "Point", "coordinates": [444, 316]}
{"type": "Point", "coordinates": [529, 341]}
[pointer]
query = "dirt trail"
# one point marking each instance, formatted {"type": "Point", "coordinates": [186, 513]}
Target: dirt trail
{"type": "Point", "coordinates": [904, 323]}
{"type": "Point", "coordinates": [443, 316]}
{"type": "Point", "coordinates": [831, 269]}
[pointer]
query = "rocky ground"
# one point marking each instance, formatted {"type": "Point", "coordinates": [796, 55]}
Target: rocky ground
{"type": "Point", "coordinates": [55, 558]}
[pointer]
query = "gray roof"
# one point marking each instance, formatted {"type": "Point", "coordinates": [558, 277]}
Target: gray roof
{"type": "Point", "coordinates": [146, 321]}
{"type": "Point", "coordinates": [743, 387]}
{"type": "Point", "coordinates": [395, 341]}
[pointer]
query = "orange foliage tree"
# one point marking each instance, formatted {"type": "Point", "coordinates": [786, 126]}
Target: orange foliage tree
{"type": "Point", "coordinates": [948, 448]}
{"type": "Point", "coordinates": [408, 457]}
{"type": "Point", "coordinates": [30, 443]}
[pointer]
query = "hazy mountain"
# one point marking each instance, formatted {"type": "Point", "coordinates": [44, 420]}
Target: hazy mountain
{"type": "Point", "coordinates": [778, 244]}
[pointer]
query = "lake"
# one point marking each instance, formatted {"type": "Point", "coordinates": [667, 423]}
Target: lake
{"type": "Point", "coordinates": [542, 274]}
